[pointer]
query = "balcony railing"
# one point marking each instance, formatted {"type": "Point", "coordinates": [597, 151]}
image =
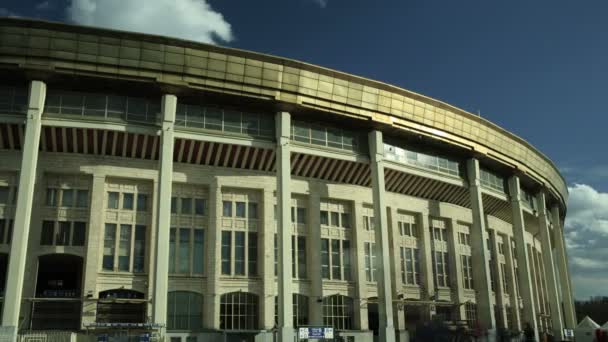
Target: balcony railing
{"type": "Point", "coordinates": [103, 106]}
{"type": "Point", "coordinates": [328, 136]}
{"type": "Point", "coordinates": [422, 160]}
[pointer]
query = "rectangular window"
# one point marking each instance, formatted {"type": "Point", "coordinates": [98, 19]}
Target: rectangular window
{"type": "Point", "coordinates": [301, 215]}
{"type": "Point", "coordinates": [369, 222]}
{"type": "Point", "coordinates": [124, 248]}
{"type": "Point", "coordinates": [226, 253]}
{"type": "Point", "coordinates": [252, 210]}
{"type": "Point", "coordinates": [139, 248]}
{"type": "Point", "coordinates": [276, 255]}
{"type": "Point", "coordinates": [199, 206]}
{"type": "Point", "coordinates": [172, 247]}
{"type": "Point", "coordinates": [67, 198]}
{"type": "Point", "coordinates": [51, 197]}
{"type": "Point", "coordinates": [112, 200]}
{"type": "Point", "coordinates": [240, 209]}
{"type": "Point", "coordinates": [142, 202]}
{"type": "Point", "coordinates": [227, 209]}
{"type": "Point", "coordinates": [127, 201]}
{"type": "Point", "coordinates": [198, 261]}
{"type": "Point", "coordinates": [4, 194]}
{"type": "Point", "coordinates": [346, 259]}
{"type": "Point", "coordinates": [46, 237]}
{"type": "Point", "coordinates": [239, 253]}
{"type": "Point", "coordinates": [503, 272]}
{"type": "Point", "coordinates": [252, 257]}
{"type": "Point", "coordinates": [325, 258]}
{"type": "Point", "coordinates": [301, 257]}
{"type": "Point", "coordinates": [63, 234]}
{"type": "Point", "coordinates": [324, 218]}
{"type": "Point", "coordinates": [467, 271]}
{"type": "Point", "coordinates": [370, 266]}
{"type": "Point", "coordinates": [441, 268]}
{"type": "Point", "coordinates": [79, 233]}
{"type": "Point", "coordinates": [173, 205]}
{"type": "Point", "coordinates": [109, 246]}
{"type": "Point", "coordinates": [186, 208]}
{"type": "Point", "coordinates": [82, 198]}
{"type": "Point", "coordinates": [2, 222]}
{"type": "Point", "coordinates": [183, 263]}
{"type": "Point", "coordinates": [335, 260]}
{"type": "Point", "coordinates": [345, 220]}
{"type": "Point", "coordinates": [335, 219]}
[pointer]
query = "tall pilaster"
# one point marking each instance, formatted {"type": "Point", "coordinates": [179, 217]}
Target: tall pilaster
{"type": "Point", "coordinates": [548, 260]}
{"type": "Point", "coordinates": [163, 215]}
{"type": "Point", "coordinates": [269, 278]}
{"type": "Point", "coordinates": [211, 304]}
{"type": "Point", "coordinates": [361, 321]}
{"type": "Point", "coordinates": [455, 264]}
{"type": "Point", "coordinates": [383, 261]}
{"type": "Point", "coordinates": [426, 261]}
{"type": "Point", "coordinates": [479, 249]}
{"type": "Point", "coordinates": [23, 210]}
{"type": "Point", "coordinates": [314, 259]}
{"type": "Point", "coordinates": [501, 321]}
{"type": "Point", "coordinates": [523, 266]}
{"type": "Point", "coordinates": [283, 127]}
{"type": "Point", "coordinates": [561, 261]}
{"type": "Point", "coordinates": [511, 283]}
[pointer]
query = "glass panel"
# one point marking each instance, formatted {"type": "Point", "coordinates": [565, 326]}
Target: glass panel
{"type": "Point", "coordinates": [63, 235]}
{"type": "Point", "coordinates": [184, 251]}
{"type": "Point", "coordinates": [227, 209]}
{"type": "Point", "coordinates": [345, 220]}
{"type": "Point", "coordinates": [240, 209]}
{"type": "Point", "coordinates": [199, 206]}
{"type": "Point", "coordinates": [232, 121]}
{"type": "Point", "coordinates": [186, 206]}
{"type": "Point", "coordinates": [46, 236]}
{"type": "Point", "coordinates": [324, 217]}
{"type": "Point", "coordinates": [335, 260]}
{"type": "Point", "coordinates": [172, 246]}
{"type": "Point", "coordinates": [78, 236]}
{"type": "Point", "coordinates": [109, 247]}
{"type": "Point", "coordinates": [51, 197]}
{"type": "Point", "coordinates": [112, 200]}
{"type": "Point", "coordinates": [301, 257]}
{"type": "Point", "coordinates": [301, 215]}
{"type": "Point", "coordinates": [325, 258]}
{"type": "Point", "coordinates": [198, 261]}
{"type": "Point", "coordinates": [346, 258]}
{"type": "Point", "coordinates": [67, 199]}
{"type": "Point", "coordinates": [226, 253]}
{"type": "Point", "coordinates": [252, 261]}
{"type": "Point", "coordinates": [252, 210]}
{"type": "Point", "coordinates": [335, 219]}
{"type": "Point", "coordinates": [82, 198]}
{"type": "Point", "coordinates": [173, 205]}
{"type": "Point", "coordinates": [213, 119]}
{"type": "Point", "coordinates": [127, 201]}
{"type": "Point", "coordinates": [124, 247]}
{"type": "Point", "coordinates": [139, 253]}
{"type": "Point", "coordinates": [239, 253]}
{"type": "Point", "coordinates": [142, 202]}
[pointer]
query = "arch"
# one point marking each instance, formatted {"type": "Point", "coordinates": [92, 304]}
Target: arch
{"type": "Point", "coordinates": [338, 312]}
{"type": "Point", "coordinates": [239, 311]}
{"type": "Point", "coordinates": [184, 310]}
{"type": "Point", "coordinates": [121, 306]}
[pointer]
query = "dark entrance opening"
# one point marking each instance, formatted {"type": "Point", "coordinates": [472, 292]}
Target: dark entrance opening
{"type": "Point", "coordinates": [121, 306]}
{"type": "Point", "coordinates": [57, 305]}
{"type": "Point", "coordinates": [373, 318]}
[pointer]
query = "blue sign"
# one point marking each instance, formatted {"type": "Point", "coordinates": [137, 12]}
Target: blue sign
{"type": "Point", "coordinates": [144, 338]}
{"type": "Point", "coordinates": [316, 333]}
{"type": "Point", "coordinates": [102, 338]}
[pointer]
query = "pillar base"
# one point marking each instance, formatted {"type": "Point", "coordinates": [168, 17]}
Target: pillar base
{"type": "Point", "coordinates": [403, 336]}
{"type": "Point", "coordinates": [387, 334]}
{"type": "Point", "coordinates": [8, 333]}
{"type": "Point", "coordinates": [286, 334]}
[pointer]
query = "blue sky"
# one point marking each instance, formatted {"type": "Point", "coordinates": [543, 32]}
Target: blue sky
{"type": "Point", "coordinates": [536, 68]}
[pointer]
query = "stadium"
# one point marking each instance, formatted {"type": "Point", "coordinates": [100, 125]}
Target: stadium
{"type": "Point", "coordinates": [163, 188]}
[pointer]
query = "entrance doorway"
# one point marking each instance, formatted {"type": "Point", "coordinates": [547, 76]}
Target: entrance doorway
{"type": "Point", "coordinates": [57, 304]}
{"type": "Point", "coordinates": [373, 318]}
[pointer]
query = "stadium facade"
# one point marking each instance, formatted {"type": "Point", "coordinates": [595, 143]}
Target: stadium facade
{"type": "Point", "coordinates": [193, 191]}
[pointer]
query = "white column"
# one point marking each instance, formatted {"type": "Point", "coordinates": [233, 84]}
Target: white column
{"type": "Point", "coordinates": [455, 264]}
{"type": "Point", "coordinates": [523, 266]}
{"type": "Point", "coordinates": [163, 216]}
{"type": "Point", "coordinates": [361, 321]}
{"type": "Point", "coordinates": [211, 304]}
{"type": "Point", "coordinates": [499, 298]}
{"type": "Point", "coordinates": [283, 127]}
{"type": "Point", "coordinates": [548, 260]}
{"type": "Point", "coordinates": [314, 259]}
{"type": "Point", "coordinates": [383, 261]}
{"type": "Point", "coordinates": [561, 260]}
{"type": "Point", "coordinates": [23, 211]}
{"type": "Point", "coordinates": [511, 282]}
{"type": "Point", "coordinates": [426, 262]}
{"type": "Point", "coordinates": [268, 276]}
{"type": "Point", "coordinates": [479, 248]}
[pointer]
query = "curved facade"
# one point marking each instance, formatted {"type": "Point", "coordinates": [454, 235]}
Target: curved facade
{"type": "Point", "coordinates": [192, 190]}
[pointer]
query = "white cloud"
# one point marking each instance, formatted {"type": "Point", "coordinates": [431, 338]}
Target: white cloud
{"type": "Point", "coordinates": [43, 6]}
{"type": "Point", "coordinates": [321, 3]}
{"type": "Point", "coordinates": [186, 19]}
{"type": "Point", "coordinates": [586, 233]}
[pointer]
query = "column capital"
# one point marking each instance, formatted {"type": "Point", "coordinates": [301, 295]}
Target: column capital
{"type": "Point", "coordinates": [514, 188]}
{"type": "Point", "coordinates": [168, 108]}
{"type": "Point", "coordinates": [283, 128]}
{"type": "Point", "coordinates": [376, 146]}
{"type": "Point", "coordinates": [473, 172]}
{"type": "Point", "coordinates": [541, 206]}
{"type": "Point", "coordinates": [37, 96]}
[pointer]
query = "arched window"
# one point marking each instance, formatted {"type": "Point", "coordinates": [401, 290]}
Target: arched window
{"type": "Point", "coordinates": [184, 311]}
{"type": "Point", "coordinates": [338, 312]}
{"type": "Point", "coordinates": [239, 311]}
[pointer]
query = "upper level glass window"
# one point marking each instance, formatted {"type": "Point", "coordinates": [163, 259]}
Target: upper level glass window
{"type": "Point", "coordinates": [423, 160]}
{"type": "Point", "coordinates": [225, 120]}
{"type": "Point", "coordinates": [13, 99]}
{"type": "Point", "coordinates": [328, 136]}
{"type": "Point", "coordinates": [528, 199]}
{"type": "Point", "coordinates": [102, 106]}
{"type": "Point", "coordinates": [491, 180]}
